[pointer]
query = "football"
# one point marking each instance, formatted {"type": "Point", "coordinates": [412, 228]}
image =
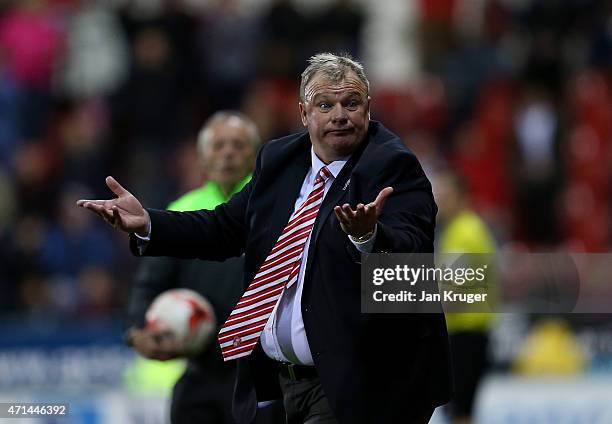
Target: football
{"type": "Point", "coordinates": [185, 314]}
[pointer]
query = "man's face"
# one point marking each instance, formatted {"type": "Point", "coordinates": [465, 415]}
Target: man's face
{"type": "Point", "coordinates": [337, 115]}
{"type": "Point", "coordinates": [229, 155]}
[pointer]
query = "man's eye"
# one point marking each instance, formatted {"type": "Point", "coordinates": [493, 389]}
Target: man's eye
{"type": "Point", "coordinates": [324, 106]}
{"type": "Point", "coordinates": [353, 104]}
{"type": "Point", "coordinates": [240, 145]}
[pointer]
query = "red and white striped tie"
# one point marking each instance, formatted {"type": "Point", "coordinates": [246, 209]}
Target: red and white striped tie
{"type": "Point", "coordinates": [241, 331]}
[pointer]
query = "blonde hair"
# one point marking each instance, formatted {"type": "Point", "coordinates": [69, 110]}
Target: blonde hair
{"type": "Point", "coordinates": [334, 67]}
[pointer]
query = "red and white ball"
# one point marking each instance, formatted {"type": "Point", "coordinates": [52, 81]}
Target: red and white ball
{"type": "Point", "coordinates": [187, 315]}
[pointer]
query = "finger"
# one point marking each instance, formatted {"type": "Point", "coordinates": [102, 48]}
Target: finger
{"type": "Point", "coordinates": [99, 209]}
{"type": "Point", "coordinates": [116, 187]}
{"type": "Point", "coordinates": [345, 220]}
{"type": "Point", "coordinates": [157, 331]}
{"type": "Point", "coordinates": [84, 202]}
{"type": "Point", "coordinates": [341, 215]}
{"type": "Point", "coordinates": [169, 344]}
{"type": "Point", "coordinates": [369, 209]}
{"type": "Point", "coordinates": [382, 198]}
{"type": "Point", "coordinates": [102, 211]}
{"type": "Point", "coordinates": [383, 195]}
{"type": "Point", "coordinates": [360, 212]}
{"type": "Point", "coordinates": [346, 208]}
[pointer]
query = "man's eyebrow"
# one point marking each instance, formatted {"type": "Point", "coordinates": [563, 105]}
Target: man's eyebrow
{"type": "Point", "coordinates": [320, 95]}
{"type": "Point", "coordinates": [354, 93]}
{"type": "Point", "coordinates": [325, 95]}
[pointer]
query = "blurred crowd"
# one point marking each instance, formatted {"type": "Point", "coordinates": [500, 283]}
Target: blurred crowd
{"type": "Point", "coordinates": [515, 96]}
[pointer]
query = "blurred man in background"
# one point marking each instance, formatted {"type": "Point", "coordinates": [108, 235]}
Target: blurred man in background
{"type": "Point", "coordinates": [226, 146]}
{"type": "Point", "coordinates": [463, 231]}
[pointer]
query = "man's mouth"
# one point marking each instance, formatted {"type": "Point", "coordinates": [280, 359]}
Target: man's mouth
{"type": "Point", "coordinates": [343, 131]}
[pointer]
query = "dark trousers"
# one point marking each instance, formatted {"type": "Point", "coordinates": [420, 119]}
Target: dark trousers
{"type": "Point", "coordinates": [305, 402]}
{"type": "Point", "coordinates": [205, 397]}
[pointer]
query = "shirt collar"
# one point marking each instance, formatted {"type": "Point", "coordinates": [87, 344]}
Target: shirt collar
{"type": "Point", "coordinates": [213, 185]}
{"type": "Point", "coordinates": [334, 167]}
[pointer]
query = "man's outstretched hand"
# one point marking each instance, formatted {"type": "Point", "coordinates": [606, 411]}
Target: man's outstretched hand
{"type": "Point", "coordinates": [125, 212]}
{"type": "Point", "coordinates": [362, 220]}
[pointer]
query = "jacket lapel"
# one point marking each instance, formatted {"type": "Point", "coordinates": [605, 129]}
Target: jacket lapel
{"type": "Point", "coordinates": [336, 192]}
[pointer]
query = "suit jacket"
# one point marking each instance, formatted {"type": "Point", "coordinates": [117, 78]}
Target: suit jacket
{"type": "Point", "coordinates": [374, 368]}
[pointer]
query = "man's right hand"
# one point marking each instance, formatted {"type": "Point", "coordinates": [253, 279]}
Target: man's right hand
{"type": "Point", "coordinates": [154, 344]}
{"type": "Point", "coordinates": [125, 212]}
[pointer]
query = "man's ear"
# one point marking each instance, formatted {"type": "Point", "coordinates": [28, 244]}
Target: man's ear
{"type": "Point", "coordinates": [303, 114]}
{"type": "Point", "coordinates": [369, 104]}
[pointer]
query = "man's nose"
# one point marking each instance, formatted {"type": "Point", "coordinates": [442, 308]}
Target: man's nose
{"type": "Point", "coordinates": [339, 114]}
{"type": "Point", "coordinates": [228, 151]}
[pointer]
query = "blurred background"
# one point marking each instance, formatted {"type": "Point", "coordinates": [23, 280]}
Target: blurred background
{"type": "Point", "coordinates": [512, 96]}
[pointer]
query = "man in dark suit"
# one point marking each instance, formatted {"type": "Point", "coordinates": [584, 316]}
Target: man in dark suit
{"type": "Point", "coordinates": [303, 338]}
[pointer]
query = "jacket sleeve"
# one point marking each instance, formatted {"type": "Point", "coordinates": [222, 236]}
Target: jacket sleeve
{"type": "Point", "coordinates": [408, 219]}
{"type": "Point", "coordinates": [205, 234]}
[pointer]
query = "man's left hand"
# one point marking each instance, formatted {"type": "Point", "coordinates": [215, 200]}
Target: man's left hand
{"type": "Point", "coordinates": [362, 220]}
